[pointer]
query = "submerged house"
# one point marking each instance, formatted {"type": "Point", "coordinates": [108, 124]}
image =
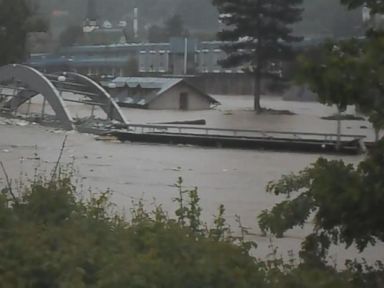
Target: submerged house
{"type": "Point", "coordinates": [158, 93]}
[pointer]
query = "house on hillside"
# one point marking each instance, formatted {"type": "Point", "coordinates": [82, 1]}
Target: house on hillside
{"type": "Point", "coordinates": [158, 93]}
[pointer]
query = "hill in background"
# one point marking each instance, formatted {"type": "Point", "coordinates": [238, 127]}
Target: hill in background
{"type": "Point", "coordinates": [321, 17]}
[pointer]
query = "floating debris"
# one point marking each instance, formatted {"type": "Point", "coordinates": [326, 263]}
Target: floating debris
{"type": "Point", "coordinates": [349, 117]}
{"type": "Point", "coordinates": [107, 138]}
{"type": "Point", "coordinates": [22, 123]}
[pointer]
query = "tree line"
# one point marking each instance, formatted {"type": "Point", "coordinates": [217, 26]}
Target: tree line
{"type": "Point", "coordinates": [320, 16]}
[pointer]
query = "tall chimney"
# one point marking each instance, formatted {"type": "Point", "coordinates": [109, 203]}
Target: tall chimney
{"type": "Point", "coordinates": [136, 23]}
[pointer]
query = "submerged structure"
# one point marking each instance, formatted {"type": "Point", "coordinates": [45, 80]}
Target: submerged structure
{"type": "Point", "coordinates": [158, 93]}
{"type": "Point", "coordinates": [20, 83]}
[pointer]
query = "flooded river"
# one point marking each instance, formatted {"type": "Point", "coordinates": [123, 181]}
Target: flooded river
{"type": "Point", "coordinates": [235, 178]}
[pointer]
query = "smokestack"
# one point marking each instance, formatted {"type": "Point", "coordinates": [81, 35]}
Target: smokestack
{"type": "Point", "coordinates": [136, 23]}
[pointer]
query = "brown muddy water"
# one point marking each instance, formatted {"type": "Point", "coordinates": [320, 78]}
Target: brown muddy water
{"type": "Point", "coordinates": [235, 178]}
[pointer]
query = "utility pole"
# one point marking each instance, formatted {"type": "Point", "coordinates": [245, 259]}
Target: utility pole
{"type": "Point", "coordinates": [185, 55]}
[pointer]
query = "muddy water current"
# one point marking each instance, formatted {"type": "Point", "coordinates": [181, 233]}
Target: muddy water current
{"type": "Point", "coordinates": [235, 178]}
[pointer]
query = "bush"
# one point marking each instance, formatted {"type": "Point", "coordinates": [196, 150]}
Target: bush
{"type": "Point", "coordinates": [51, 238]}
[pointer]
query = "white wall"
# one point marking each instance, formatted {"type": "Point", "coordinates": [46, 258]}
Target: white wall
{"type": "Point", "coordinates": [171, 99]}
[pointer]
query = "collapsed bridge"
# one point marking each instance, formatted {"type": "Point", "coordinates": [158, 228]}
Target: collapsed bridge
{"type": "Point", "coordinates": [20, 83]}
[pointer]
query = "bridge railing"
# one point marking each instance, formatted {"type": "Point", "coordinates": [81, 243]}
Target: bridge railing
{"type": "Point", "coordinates": [175, 129]}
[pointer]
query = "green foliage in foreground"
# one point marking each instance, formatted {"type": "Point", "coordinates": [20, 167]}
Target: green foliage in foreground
{"type": "Point", "coordinates": [345, 205]}
{"type": "Point", "coordinates": [344, 202]}
{"type": "Point", "coordinates": [50, 238]}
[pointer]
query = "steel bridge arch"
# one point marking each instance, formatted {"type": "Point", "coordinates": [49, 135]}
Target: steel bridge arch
{"type": "Point", "coordinates": [36, 83]}
{"type": "Point", "coordinates": [108, 105]}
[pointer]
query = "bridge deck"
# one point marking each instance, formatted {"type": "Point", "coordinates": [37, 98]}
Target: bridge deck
{"type": "Point", "coordinates": [242, 138]}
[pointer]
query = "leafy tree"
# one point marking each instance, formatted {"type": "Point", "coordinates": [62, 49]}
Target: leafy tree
{"type": "Point", "coordinates": [329, 18]}
{"type": "Point", "coordinates": [132, 67]}
{"type": "Point", "coordinates": [376, 117]}
{"type": "Point", "coordinates": [336, 76]}
{"type": "Point", "coordinates": [51, 238]}
{"type": "Point", "coordinates": [199, 15]}
{"type": "Point", "coordinates": [344, 201]}
{"type": "Point", "coordinates": [71, 35]}
{"type": "Point", "coordinates": [16, 20]}
{"type": "Point", "coordinates": [349, 72]}
{"type": "Point", "coordinates": [258, 35]}
{"type": "Point", "coordinates": [374, 5]}
{"type": "Point", "coordinates": [372, 102]}
{"type": "Point", "coordinates": [344, 204]}
{"type": "Point", "coordinates": [375, 8]}
{"type": "Point", "coordinates": [156, 34]}
{"type": "Point", "coordinates": [174, 26]}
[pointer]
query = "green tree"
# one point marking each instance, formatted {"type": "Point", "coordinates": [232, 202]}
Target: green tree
{"type": "Point", "coordinates": [157, 34]}
{"type": "Point", "coordinates": [51, 238]}
{"type": "Point", "coordinates": [336, 76]}
{"type": "Point", "coordinates": [375, 8]}
{"type": "Point", "coordinates": [174, 26]}
{"type": "Point", "coordinates": [258, 35]}
{"type": "Point", "coordinates": [343, 202]}
{"type": "Point", "coordinates": [350, 72]}
{"type": "Point", "coordinates": [198, 15]}
{"type": "Point", "coordinates": [16, 20]}
{"type": "Point", "coordinates": [374, 5]}
{"type": "Point", "coordinates": [329, 18]}
{"type": "Point", "coordinates": [376, 117]}
{"type": "Point", "coordinates": [132, 67]}
{"type": "Point", "coordinates": [71, 36]}
{"type": "Point", "coordinates": [372, 101]}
